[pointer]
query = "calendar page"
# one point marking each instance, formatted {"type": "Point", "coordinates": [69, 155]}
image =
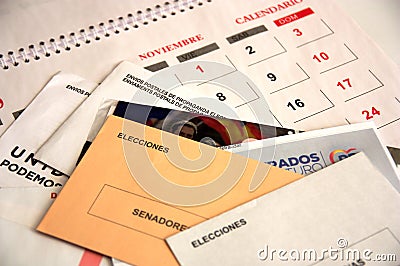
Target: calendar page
{"type": "Point", "coordinates": [308, 59]}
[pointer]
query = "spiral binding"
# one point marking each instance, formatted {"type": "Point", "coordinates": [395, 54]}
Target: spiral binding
{"type": "Point", "coordinates": [95, 33]}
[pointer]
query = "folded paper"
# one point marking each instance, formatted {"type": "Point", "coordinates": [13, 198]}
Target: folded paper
{"type": "Point", "coordinates": [141, 184]}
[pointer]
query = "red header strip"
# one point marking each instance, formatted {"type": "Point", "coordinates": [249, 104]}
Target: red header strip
{"type": "Point", "coordinates": [293, 17]}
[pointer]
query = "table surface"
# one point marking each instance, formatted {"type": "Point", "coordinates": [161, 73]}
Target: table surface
{"type": "Point", "coordinates": [380, 19]}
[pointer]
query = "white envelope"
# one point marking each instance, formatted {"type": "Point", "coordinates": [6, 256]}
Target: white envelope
{"type": "Point", "coordinates": [29, 186]}
{"type": "Point", "coordinates": [76, 129]}
{"type": "Point", "coordinates": [47, 112]}
{"type": "Point", "coordinates": [86, 121]}
{"type": "Point", "coordinates": [349, 206]}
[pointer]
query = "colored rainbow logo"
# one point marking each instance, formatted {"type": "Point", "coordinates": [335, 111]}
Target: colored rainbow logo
{"type": "Point", "coordinates": [336, 155]}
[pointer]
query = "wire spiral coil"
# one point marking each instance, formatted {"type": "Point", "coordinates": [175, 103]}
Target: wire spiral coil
{"type": "Point", "coordinates": [96, 33]}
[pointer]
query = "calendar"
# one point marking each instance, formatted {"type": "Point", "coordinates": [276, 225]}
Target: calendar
{"type": "Point", "coordinates": [310, 69]}
{"type": "Point", "coordinates": [309, 65]}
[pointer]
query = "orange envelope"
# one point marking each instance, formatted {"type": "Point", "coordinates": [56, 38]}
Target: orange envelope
{"type": "Point", "coordinates": [138, 185]}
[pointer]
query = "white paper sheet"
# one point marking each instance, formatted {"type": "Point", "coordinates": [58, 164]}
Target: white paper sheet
{"type": "Point", "coordinates": [311, 151]}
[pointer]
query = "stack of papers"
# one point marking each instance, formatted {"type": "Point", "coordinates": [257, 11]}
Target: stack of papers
{"type": "Point", "coordinates": [206, 162]}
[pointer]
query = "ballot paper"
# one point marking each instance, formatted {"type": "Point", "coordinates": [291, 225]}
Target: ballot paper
{"type": "Point", "coordinates": [215, 131]}
{"type": "Point", "coordinates": [19, 167]}
{"type": "Point", "coordinates": [29, 186]}
{"type": "Point", "coordinates": [326, 218]}
{"type": "Point", "coordinates": [141, 184]}
{"type": "Point", "coordinates": [311, 151]}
